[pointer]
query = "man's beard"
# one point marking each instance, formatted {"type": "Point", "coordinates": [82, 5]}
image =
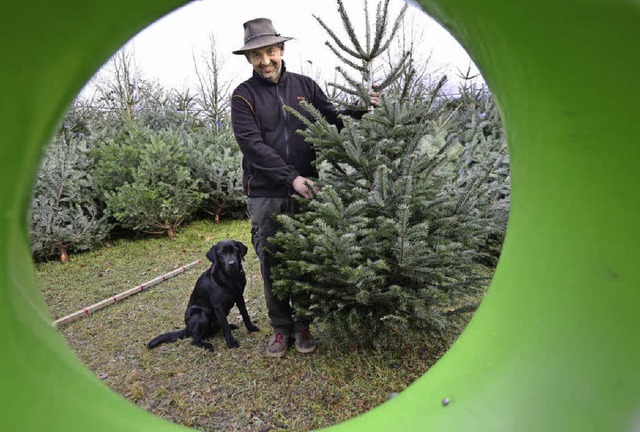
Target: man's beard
{"type": "Point", "coordinates": [274, 74]}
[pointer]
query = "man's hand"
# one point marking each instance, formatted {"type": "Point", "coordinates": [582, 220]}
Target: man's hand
{"type": "Point", "coordinates": [375, 98]}
{"type": "Point", "coordinates": [304, 186]}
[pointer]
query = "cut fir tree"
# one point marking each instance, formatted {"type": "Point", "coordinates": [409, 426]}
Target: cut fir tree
{"type": "Point", "coordinates": [390, 240]}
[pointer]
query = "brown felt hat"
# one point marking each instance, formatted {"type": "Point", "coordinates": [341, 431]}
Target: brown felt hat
{"type": "Point", "coordinates": [258, 33]}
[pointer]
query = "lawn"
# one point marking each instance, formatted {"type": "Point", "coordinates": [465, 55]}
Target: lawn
{"type": "Point", "coordinates": [230, 389]}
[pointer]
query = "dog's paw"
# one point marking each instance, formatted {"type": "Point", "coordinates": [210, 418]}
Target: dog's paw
{"type": "Point", "coordinates": [233, 327]}
{"type": "Point", "coordinates": [232, 343]}
{"type": "Point", "coordinates": [205, 345]}
{"type": "Point", "coordinates": [252, 328]}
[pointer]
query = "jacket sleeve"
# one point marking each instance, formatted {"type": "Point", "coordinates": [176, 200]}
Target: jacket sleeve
{"type": "Point", "coordinates": [259, 156]}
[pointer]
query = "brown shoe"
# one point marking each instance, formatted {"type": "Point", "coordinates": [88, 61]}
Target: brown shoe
{"type": "Point", "coordinates": [305, 343]}
{"type": "Point", "coordinates": [278, 345]}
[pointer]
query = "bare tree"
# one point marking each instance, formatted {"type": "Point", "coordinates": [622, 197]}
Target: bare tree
{"type": "Point", "coordinates": [213, 91]}
{"type": "Point", "coordinates": [120, 90]}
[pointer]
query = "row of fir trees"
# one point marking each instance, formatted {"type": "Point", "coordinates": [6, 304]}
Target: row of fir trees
{"type": "Point", "coordinates": [134, 159]}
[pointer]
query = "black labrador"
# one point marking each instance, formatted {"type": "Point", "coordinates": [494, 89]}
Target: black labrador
{"type": "Point", "coordinates": [216, 291]}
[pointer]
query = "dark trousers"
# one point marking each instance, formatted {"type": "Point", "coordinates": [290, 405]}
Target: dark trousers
{"type": "Point", "coordinates": [263, 226]}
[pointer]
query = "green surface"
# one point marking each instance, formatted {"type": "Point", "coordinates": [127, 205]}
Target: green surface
{"type": "Point", "coordinates": [554, 345]}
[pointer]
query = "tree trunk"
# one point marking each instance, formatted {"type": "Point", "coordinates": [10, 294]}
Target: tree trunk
{"type": "Point", "coordinates": [62, 253]}
{"type": "Point", "coordinates": [171, 233]}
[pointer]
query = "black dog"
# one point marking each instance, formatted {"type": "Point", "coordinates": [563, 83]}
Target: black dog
{"type": "Point", "coordinates": [216, 291]}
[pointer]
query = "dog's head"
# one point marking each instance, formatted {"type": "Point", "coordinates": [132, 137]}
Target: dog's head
{"type": "Point", "coordinates": [227, 255]}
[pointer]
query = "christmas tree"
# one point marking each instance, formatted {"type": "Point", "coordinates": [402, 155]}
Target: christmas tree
{"type": "Point", "coordinates": [391, 239]}
{"type": "Point", "coordinates": [214, 158]}
{"type": "Point", "coordinates": [145, 180]}
{"type": "Point", "coordinates": [65, 215]}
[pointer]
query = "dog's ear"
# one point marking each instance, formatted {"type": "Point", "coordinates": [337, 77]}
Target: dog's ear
{"type": "Point", "coordinates": [211, 255]}
{"type": "Point", "coordinates": [243, 249]}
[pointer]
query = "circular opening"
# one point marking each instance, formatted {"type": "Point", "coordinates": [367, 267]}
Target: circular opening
{"type": "Point", "coordinates": [123, 106]}
{"type": "Point", "coordinates": [570, 238]}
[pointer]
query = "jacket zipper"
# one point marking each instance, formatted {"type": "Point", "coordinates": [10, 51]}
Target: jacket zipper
{"type": "Point", "coordinates": [286, 121]}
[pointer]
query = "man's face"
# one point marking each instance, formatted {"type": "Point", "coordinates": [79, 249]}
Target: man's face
{"type": "Point", "coordinates": [267, 61]}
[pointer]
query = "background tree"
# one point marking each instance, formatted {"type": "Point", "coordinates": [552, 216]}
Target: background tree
{"type": "Point", "coordinates": [480, 133]}
{"type": "Point", "coordinates": [65, 212]}
{"type": "Point", "coordinates": [214, 158]}
{"type": "Point", "coordinates": [213, 90]}
{"type": "Point", "coordinates": [119, 89]}
{"type": "Point", "coordinates": [154, 191]}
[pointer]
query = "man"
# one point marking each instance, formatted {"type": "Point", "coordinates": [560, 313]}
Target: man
{"type": "Point", "coordinates": [277, 161]}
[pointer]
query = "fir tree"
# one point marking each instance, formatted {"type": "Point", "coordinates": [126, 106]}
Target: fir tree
{"type": "Point", "coordinates": [480, 133]}
{"type": "Point", "coordinates": [361, 56]}
{"type": "Point", "coordinates": [391, 239]}
{"type": "Point", "coordinates": [215, 159]}
{"type": "Point", "coordinates": [65, 214]}
{"type": "Point", "coordinates": [146, 182]}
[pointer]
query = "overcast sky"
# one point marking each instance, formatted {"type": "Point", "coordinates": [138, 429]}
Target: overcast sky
{"type": "Point", "coordinates": [165, 50]}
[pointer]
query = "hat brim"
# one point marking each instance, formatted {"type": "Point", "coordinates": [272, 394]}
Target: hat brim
{"type": "Point", "coordinates": [261, 42]}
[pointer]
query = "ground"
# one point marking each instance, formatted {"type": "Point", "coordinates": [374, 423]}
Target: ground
{"type": "Point", "coordinates": [229, 389]}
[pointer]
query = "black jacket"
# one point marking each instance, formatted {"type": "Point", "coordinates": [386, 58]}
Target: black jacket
{"type": "Point", "coordinates": [274, 154]}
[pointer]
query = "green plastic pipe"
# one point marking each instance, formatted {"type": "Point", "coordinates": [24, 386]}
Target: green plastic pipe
{"type": "Point", "coordinates": [554, 346]}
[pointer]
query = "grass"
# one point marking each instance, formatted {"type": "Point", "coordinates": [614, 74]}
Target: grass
{"type": "Point", "coordinates": [227, 390]}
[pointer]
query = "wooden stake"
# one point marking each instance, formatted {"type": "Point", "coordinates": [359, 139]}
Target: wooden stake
{"type": "Point", "coordinates": [89, 309]}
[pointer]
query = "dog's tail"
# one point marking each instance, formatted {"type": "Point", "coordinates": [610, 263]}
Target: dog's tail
{"type": "Point", "coordinates": [168, 337]}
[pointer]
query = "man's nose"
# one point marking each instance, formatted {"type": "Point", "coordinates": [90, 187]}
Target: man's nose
{"type": "Point", "coordinates": [265, 60]}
